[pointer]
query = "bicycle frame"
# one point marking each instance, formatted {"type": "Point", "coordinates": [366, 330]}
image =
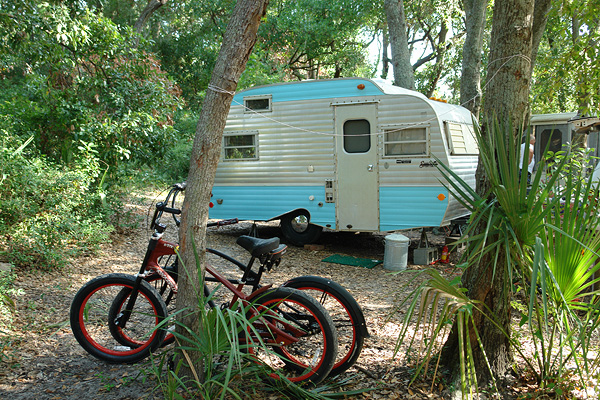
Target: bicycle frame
{"type": "Point", "coordinates": [158, 248]}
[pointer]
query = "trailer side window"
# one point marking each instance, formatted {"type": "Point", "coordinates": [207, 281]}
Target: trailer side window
{"type": "Point", "coordinates": [357, 136]}
{"type": "Point", "coordinates": [461, 138]}
{"type": "Point", "coordinates": [400, 141]}
{"type": "Point", "coordinates": [240, 145]}
{"type": "Point", "coordinates": [257, 103]}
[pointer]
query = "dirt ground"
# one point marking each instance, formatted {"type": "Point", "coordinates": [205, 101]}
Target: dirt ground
{"type": "Point", "coordinates": [42, 360]}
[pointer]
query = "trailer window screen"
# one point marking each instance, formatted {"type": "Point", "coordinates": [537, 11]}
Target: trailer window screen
{"type": "Point", "coordinates": [461, 139]}
{"type": "Point", "coordinates": [240, 145]}
{"type": "Point", "coordinates": [357, 136]}
{"type": "Point", "coordinates": [400, 141]}
{"type": "Point", "coordinates": [257, 103]}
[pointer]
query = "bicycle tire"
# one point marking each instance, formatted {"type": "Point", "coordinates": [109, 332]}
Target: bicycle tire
{"type": "Point", "coordinates": [91, 323]}
{"type": "Point", "coordinates": [168, 296]}
{"type": "Point", "coordinates": [120, 299]}
{"type": "Point", "coordinates": [311, 358]}
{"type": "Point", "coordinates": [345, 312]}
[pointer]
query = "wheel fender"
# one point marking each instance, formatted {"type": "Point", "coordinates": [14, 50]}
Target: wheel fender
{"type": "Point", "coordinates": [328, 283]}
{"type": "Point", "coordinates": [259, 292]}
{"type": "Point", "coordinates": [292, 214]}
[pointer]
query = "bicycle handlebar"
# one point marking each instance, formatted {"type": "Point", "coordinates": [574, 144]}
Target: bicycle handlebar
{"type": "Point", "coordinates": [180, 186]}
{"type": "Point", "coordinates": [163, 207]}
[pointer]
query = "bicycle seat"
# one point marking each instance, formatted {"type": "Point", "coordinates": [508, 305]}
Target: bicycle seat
{"type": "Point", "coordinates": [257, 246]}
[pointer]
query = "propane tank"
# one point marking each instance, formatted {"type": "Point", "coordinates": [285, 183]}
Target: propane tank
{"type": "Point", "coordinates": [445, 259]}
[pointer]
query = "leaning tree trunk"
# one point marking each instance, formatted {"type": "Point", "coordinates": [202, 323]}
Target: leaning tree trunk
{"type": "Point", "coordinates": [238, 42]}
{"type": "Point", "coordinates": [540, 19]}
{"type": "Point", "coordinates": [402, 68]}
{"type": "Point", "coordinates": [147, 12]}
{"type": "Point", "coordinates": [470, 80]}
{"type": "Point", "coordinates": [506, 98]}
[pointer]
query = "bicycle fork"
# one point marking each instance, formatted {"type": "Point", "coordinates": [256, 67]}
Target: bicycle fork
{"type": "Point", "coordinates": [122, 318]}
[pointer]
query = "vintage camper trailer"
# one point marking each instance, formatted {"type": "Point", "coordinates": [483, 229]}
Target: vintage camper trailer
{"type": "Point", "coordinates": [347, 154]}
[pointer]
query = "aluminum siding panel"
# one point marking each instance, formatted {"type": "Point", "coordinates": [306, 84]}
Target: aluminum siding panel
{"type": "Point", "coordinates": [265, 202]}
{"type": "Point", "coordinates": [291, 138]}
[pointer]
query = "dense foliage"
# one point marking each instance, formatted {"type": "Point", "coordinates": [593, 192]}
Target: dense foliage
{"type": "Point", "coordinates": [78, 106]}
{"type": "Point", "coordinates": [566, 75]}
{"type": "Point", "coordinates": [48, 212]}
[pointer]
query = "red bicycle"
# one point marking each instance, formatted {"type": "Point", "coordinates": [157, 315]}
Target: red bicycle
{"type": "Point", "coordinates": [113, 316]}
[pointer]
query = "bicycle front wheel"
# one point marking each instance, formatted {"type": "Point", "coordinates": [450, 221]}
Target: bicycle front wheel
{"type": "Point", "coordinates": [312, 353]}
{"type": "Point", "coordinates": [93, 319]}
{"type": "Point", "coordinates": [345, 312]}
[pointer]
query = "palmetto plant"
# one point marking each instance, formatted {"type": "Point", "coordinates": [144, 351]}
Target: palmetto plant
{"type": "Point", "coordinates": [545, 238]}
{"type": "Point", "coordinates": [231, 369]}
{"type": "Point", "coordinates": [565, 313]}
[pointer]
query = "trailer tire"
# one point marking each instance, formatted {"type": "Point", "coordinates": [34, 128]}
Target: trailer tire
{"type": "Point", "coordinates": [298, 231]}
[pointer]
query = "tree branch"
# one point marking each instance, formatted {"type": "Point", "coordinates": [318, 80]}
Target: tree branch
{"type": "Point", "coordinates": [152, 6]}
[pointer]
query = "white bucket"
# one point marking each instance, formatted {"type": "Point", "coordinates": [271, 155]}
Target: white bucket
{"type": "Point", "coordinates": [396, 252]}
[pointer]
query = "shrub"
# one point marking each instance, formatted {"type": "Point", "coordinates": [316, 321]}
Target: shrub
{"type": "Point", "coordinates": [175, 164]}
{"type": "Point", "coordinates": [47, 211]}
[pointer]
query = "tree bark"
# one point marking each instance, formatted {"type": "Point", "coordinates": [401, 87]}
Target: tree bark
{"type": "Point", "coordinates": [396, 19]}
{"type": "Point", "coordinates": [385, 60]}
{"type": "Point", "coordinates": [440, 53]}
{"type": "Point", "coordinates": [239, 39]}
{"type": "Point", "coordinates": [506, 98]}
{"type": "Point", "coordinates": [470, 82]}
{"type": "Point", "coordinates": [509, 67]}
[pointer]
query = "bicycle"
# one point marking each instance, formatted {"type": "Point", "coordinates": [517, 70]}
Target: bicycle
{"type": "Point", "coordinates": [346, 313]}
{"type": "Point", "coordinates": [131, 341]}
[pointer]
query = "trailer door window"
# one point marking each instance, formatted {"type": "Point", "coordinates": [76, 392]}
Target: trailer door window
{"type": "Point", "coordinates": [357, 136]}
{"type": "Point", "coordinates": [399, 141]}
{"type": "Point", "coordinates": [240, 145]}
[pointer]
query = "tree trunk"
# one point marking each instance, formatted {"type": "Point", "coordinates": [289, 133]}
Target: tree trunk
{"type": "Point", "coordinates": [509, 67]}
{"type": "Point", "coordinates": [506, 98]}
{"type": "Point", "coordinates": [396, 19]}
{"type": "Point", "coordinates": [440, 53]}
{"type": "Point", "coordinates": [470, 82]}
{"type": "Point", "coordinates": [238, 42]}
{"type": "Point", "coordinates": [385, 60]}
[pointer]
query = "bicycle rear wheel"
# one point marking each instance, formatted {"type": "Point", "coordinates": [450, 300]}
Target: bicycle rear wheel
{"type": "Point", "coordinates": [93, 317]}
{"type": "Point", "coordinates": [345, 312]}
{"type": "Point", "coordinates": [311, 357]}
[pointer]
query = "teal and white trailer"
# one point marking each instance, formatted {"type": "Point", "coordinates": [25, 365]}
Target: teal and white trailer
{"type": "Point", "coordinates": [346, 154]}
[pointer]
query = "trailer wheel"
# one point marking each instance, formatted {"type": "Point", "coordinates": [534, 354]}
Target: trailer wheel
{"type": "Point", "coordinates": [298, 231]}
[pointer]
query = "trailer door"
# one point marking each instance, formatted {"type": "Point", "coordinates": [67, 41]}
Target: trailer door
{"type": "Point", "coordinates": [357, 200]}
